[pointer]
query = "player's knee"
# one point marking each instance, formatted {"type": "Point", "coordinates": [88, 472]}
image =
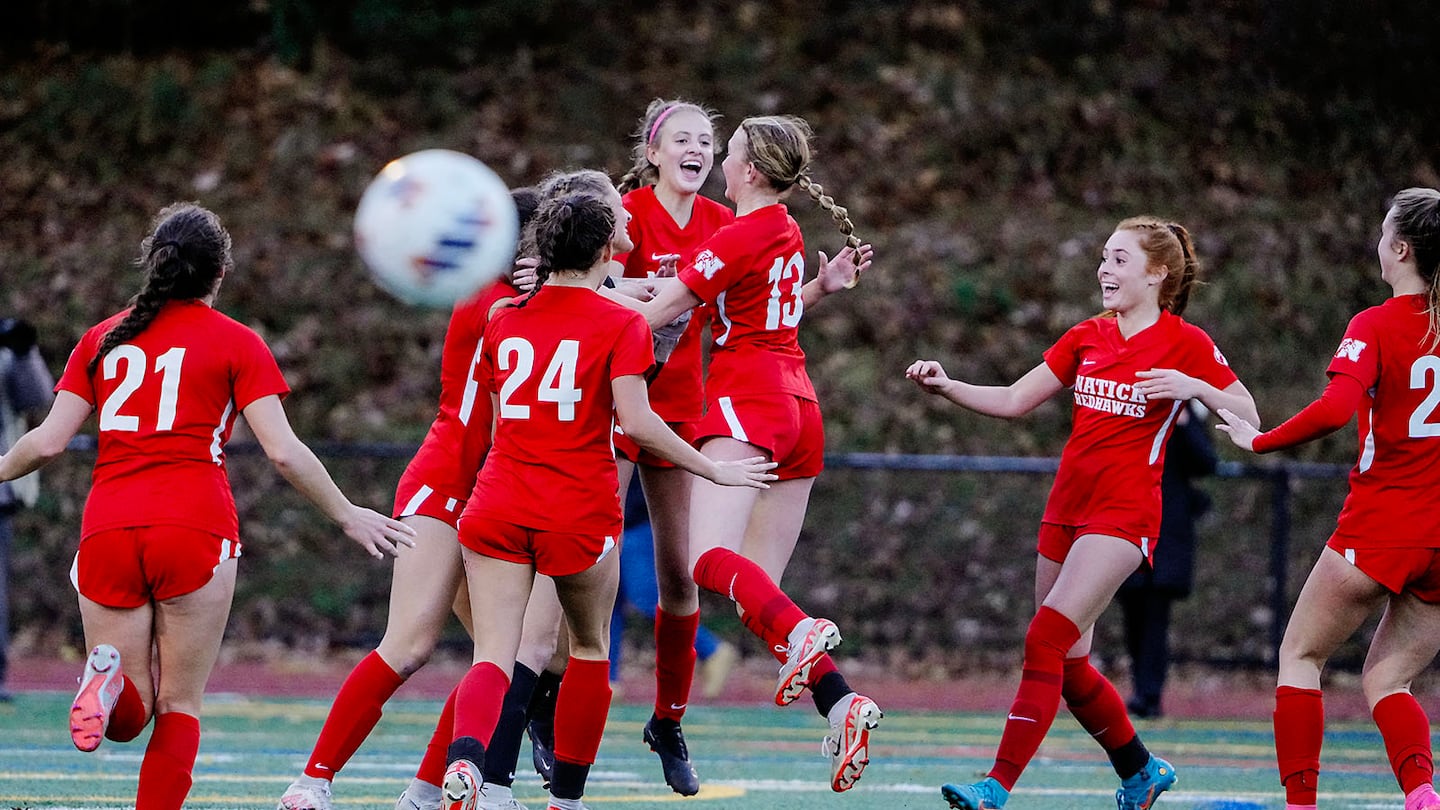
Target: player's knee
{"type": "Point", "coordinates": [406, 656]}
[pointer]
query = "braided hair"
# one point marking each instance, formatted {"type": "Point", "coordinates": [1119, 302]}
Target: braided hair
{"type": "Point", "coordinates": [1416, 213]}
{"type": "Point", "coordinates": [643, 172]}
{"type": "Point", "coordinates": [186, 253]}
{"type": "Point", "coordinates": [1169, 244]}
{"type": "Point", "coordinates": [571, 232]}
{"type": "Point", "coordinates": [779, 148]}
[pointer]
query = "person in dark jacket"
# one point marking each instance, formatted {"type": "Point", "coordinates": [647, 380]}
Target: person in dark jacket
{"type": "Point", "coordinates": [1146, 597]}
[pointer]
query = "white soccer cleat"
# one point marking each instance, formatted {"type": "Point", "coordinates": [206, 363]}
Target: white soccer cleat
{"type": "Point", "coordinates": [819, 638]}
{"type": "Point", "coordinates": [848, 743]}
{"type": "Point", "coordinates": [461, 790]}
{"type": "Point", "coordinates": [496, 797]}
{"type": "Point", "coordinates": [100, 687]}
{"type": "Point", "coordinates": [410, 799]}
{"type": "Point", "coordinates": [307, 795]}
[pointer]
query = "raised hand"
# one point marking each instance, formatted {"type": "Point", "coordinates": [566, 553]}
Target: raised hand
{"type": "Point", "coordinates": [929, 375]}
{"type": "Point", "coordinates": [843, 271]}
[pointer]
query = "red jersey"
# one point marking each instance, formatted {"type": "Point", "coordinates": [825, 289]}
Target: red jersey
{"type": "Point", "coordinates": [550, 362]}
{"type": "Point", "coordinates": [1394, 498]}
{"type": "Point", "coordinates": [677, 394]}
{"type": "Point", "coordinates": [450, 455]}
{"type": "Point", "coordinates": [1110, 468]}
{"type": "Point", "coordinates": [752, 271]}
{"type": "Point", "coordinates": [167, 401]}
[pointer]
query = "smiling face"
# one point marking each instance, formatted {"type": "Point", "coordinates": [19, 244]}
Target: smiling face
{"type": "Point", "coordinates": [1125, 280]}
{"type": "Point", "coordinates": [683, 151]}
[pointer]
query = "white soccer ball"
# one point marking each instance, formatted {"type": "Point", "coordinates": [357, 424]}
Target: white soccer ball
{"type": "Point", "coordinates": [435, 226]}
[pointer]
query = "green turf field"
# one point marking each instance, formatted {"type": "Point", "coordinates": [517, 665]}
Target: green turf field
{"type": "Point", "coordinates": [762, 758]}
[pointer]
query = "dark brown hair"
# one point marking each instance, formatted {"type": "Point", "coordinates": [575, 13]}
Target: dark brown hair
{"type": "Point", "coordinates": [186, 253]}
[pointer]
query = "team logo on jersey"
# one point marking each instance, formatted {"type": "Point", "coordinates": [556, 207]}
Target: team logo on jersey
{"type": "Point", "coordinates": [1350, 349]}
{"type": "Point", "coordinates": [1220, 358]}
{"type": "Point", "coordinates": [708, 264]}
{"type": "Point", "coordinates": [1109, 396]}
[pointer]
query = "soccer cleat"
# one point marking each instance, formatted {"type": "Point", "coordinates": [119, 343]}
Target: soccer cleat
{"type": "Point", "coordinates": [1140, 791]}
{"type": "Point", "coordinates": [411, 798]}
{"type": "Point", "coordinates": [542, 747]}
{"type": "Point", "coordinates": [665, 739]}
{"type": "Point", "coordinates": [461, 790]}
{"type": "Point", "coordinates": [100, 687]}
{"type": "Point", "coordinates": [987, 794]}
{"type": "Point", "coordinates": [848, 743]}
{"type": "Point", "coordinates": [819, 638]}
{"type": "Point", "coordinates": [495, 797]}
{"type": "Point", "coordinates": [311, 794]}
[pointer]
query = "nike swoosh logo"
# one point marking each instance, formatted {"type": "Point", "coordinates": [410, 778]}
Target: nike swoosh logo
{"type": "Point", "coordinates": [1018, 717]}
{"type": "Point", "coordinates": [678, 706]}
{"type": "Point", "coordinates": [1087, 362]}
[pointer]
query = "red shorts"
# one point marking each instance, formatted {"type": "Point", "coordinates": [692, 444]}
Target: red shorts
{"type": "Point", "coordinates": [554, 554]}
{"type": "Point", "coordinates": [415, 498]}
{"type": "Point", "coordinates": [788, 427]}
{"type": "Point", "coordinates": [1056, 540]}
{"type": "Point", "coordinates": [626, 448]}
{"type": "Point", "coordinates": [127, 568]}
{"type": "Point", "coordinates": [1400, 570]}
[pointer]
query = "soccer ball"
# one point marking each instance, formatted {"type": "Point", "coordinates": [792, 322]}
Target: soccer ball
{"type": "Point", "coordinates": [435, 226]}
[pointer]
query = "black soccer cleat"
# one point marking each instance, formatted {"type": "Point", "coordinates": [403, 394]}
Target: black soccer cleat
{"type": "Point", "coordinates": [542, 747]}
{"type": "Point", "coordinates": [667, 740]}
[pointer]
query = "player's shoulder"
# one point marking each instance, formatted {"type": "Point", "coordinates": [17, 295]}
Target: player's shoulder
{"type": "Point", "coordinates": [713, 211]}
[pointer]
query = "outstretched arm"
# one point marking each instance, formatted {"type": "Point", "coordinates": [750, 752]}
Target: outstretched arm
{"type": "Point", "coordinates": [1006, 401]}
{"type": "Point", "coordinates": [377, 534]}
{"type": "Point", "coordinates": [640, 423]}
{"type": "Point", "coordinates": [840, 273]}
{"type": "Point", "coordinates": [48, 439]}
{"type": "Point", "coordinates": [1325, 415]}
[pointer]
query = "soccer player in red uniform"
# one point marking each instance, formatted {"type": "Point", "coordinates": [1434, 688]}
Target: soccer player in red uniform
{"type": "Point", "coordinates": [425, 583]}
{"type": "Point", "coordinates": [156, 566]}
{"type": "Point", "coordinates": [675, 151]}
{"type": "Point", "coordinates": [760, 400]}
{"type": "Point", "coordinates": [1131, 370]}
{"type": "Point", "coordinates": [561, 364]}
{"type": "Point", "coordinates": [1386, 545]}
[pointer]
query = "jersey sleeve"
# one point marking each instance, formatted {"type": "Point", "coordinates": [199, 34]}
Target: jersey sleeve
{"type": "Point", "coordinates": [1206, 362]}
{"type": "Point", "coordinates": [1359, 353]}
{"type": "Point", "coordinates": [256, 374]}
{"type": "Point", "coordinates": [634, 351]}
{"type": "Point", "coordinates": [713, 269]}
{"type": "Point", "coordinates": [1063, 358]}
{"type": "Point", "coordinates": [76, 378]}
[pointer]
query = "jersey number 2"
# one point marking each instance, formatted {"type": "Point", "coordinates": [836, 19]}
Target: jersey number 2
{"type": "Point", "coordinates": [557, 384]}
{"type": "Point", "coordinates": [1425, 373]}
{"type": "Point", "coordinates": [136, 362]}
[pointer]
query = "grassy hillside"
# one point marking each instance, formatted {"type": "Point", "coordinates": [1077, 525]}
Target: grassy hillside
{"type": "Point", "coordinates": [986, 153]}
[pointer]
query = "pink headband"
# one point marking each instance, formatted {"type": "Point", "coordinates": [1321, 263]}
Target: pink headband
{"type": "Point", "coordinates": [660, 119]}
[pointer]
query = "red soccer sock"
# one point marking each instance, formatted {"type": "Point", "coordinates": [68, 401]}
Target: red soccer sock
{"type": "Point", "coordinates": [433, 764]}
{"type": "Point", "coordinates": [1299, 733]}
{"type": "Point", "coordinates": [353, 715]}
{"type": "Point", "coordinates": [128, 718]}
{"type": "Point", "coordinates": [1037, 700]}
{"type": "Point", "coordinates": [674, 662]}
{"type": "Point", "coordinates": [581, 709]}
{"type": "Point", "coordinates": [724, 572]}
{"type": "Point", "coordinates": [477, 702]}
{"type": "Point", "coordinates": [1095, 703]}
{"type": "Point", "coordinates": [169, 759]}
{"type": "Point", "coordinates": [1406, 730]}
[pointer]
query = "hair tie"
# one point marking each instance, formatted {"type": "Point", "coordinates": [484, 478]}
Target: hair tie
{"type": "Point", "coordinates": [660, 119]}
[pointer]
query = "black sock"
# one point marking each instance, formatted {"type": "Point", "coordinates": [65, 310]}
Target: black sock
{"type": "Point", "coordinates": [828, 691]}
{"type": "Point", "coordinates": [569, 780]}
{"type": "Point", "coordinates": [504, 750]}
{"type": "Point", "coordinates": [466, 748]}
{"type": "Point", "coordinates": [542, 700]}
{"type": "Point", "coordinates": [1129, 758]}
